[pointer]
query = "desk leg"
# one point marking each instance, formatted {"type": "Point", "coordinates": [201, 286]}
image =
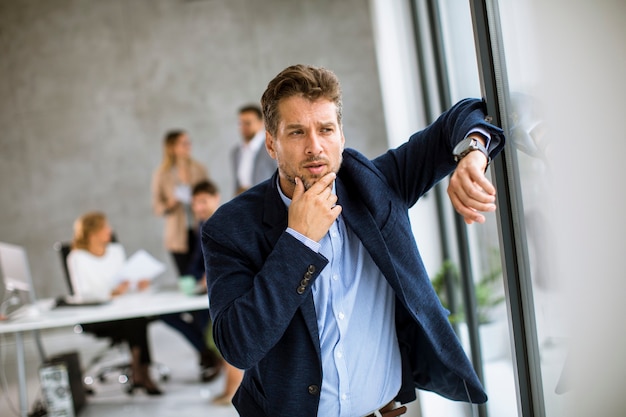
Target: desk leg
{"type": "Point", "coordinates": [21, 374]}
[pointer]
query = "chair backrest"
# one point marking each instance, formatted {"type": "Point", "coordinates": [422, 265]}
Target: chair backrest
{"type": "Point", "coordinates": [64, 249]}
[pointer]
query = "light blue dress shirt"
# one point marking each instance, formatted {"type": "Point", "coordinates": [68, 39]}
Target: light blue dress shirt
{"type": "Point", "coordinates": [355, 309]}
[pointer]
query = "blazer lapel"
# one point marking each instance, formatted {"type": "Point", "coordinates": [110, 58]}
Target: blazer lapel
{"type": "Point", "coordinates": [359, 219]}
{"type": "Point", "coordinates": [275, 222]}
{"type": "Point", "coordinates": [274, 212]}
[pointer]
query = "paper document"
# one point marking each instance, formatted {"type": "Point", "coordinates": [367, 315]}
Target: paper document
{"type": "Point", "coordinates": [182, 193]}
{"type": "Point", "coordinates": [141, 265]}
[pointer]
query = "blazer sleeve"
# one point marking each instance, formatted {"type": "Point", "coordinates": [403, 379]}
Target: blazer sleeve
{"type": "Point", "coordinates": [415, 166]}
{"type": "Point", "coordinates": [234, 157]}
{"type": "Point", "coordinates": [264, 166]}
{"type": "Point", "coordinates": [254, 293]}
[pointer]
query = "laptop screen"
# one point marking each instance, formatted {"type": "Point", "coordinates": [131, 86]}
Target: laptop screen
{"type": "Point", "coordinates": [15, 270]}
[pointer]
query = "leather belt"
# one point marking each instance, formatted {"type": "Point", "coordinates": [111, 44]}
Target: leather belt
{"type": "Point", "coordinates": [389, 410]}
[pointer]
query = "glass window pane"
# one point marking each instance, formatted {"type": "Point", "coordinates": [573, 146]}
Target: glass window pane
{"type": "Point", "coordinates": [483, 242]}
{"type": "Point", "coordinates": [528, 136]}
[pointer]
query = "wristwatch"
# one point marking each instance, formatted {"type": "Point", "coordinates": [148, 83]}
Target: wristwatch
{"type": "Point", "coordinates": [468, 145]}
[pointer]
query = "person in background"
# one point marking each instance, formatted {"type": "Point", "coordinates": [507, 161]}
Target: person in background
{"type": "Point", "coordinates": [206, 200]}
{"type": "Point", "coordinates": [93, 264]}
{"type": "Point", "coordinates": [195, 324]}
{"type": "Point", "coordinates": [315, 281]}
{"type": "Point", "coordinates": [171, 196]}
{"type": "Point", "coordinates": [251, 162]}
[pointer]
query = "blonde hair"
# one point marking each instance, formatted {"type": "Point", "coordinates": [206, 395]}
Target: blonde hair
{"type": "Point", "coordinates": [85, 226]}
{"type": "Point", "coordinates": [169, 142]}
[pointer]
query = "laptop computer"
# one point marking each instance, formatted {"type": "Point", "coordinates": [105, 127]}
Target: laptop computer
{"type": "Point", "coordinates": [16, 277]}
{"type": "Point", "coordinates": [18, 283]}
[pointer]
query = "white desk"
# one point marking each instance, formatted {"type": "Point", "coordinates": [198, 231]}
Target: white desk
{"type": "Point", "coordinates": [148, 303]}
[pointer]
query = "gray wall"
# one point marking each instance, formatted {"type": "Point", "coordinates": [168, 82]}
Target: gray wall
{"type": "Point", "coordinates": [88, 87]}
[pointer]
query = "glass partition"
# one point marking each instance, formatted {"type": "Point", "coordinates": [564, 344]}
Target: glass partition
{"type": "Point", "coordinates": [470, 281]}
{"type": "Point", "coordinates": [529, 181]}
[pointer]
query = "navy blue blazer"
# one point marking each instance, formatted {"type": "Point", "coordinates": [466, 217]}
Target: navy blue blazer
{"type": "Point", "coordinates": [263, 313]}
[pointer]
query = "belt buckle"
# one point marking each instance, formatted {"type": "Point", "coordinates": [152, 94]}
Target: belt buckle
{"type": "Point", "coordinates": [389, 410]}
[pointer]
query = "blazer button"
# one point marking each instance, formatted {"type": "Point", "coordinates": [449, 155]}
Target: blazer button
{"type": "Point", "coordinates": [311, 269]}
{"type": "Point", "coordinates": [301, 289]}
{"type": "Point", "coordinates": [314, 389]}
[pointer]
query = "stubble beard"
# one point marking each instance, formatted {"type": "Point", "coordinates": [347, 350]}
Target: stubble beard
{"type": "Point", "coordinates": [307, 181]}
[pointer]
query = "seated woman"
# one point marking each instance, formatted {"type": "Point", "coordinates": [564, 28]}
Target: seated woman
{"type": "Point", "coordinates": [93, 264]}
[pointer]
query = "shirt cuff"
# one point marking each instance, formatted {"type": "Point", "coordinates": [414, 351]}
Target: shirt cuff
{"type": "Point", "coordinates": [311, 244]}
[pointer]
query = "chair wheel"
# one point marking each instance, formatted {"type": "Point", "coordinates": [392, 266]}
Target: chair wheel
{"type": "Point", "coordinates": [165, 377]}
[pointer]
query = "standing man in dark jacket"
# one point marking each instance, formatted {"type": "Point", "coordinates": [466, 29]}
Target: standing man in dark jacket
{"type": "Point", "coordinates": [316, 285]}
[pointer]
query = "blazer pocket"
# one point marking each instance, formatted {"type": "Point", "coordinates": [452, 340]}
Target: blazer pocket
{"type": "Point", "coordinates": [388, 219]}
{"type": "Point", "coordinates": [251, 398]}
{"type": "Point", "coordinates": [383, 214]}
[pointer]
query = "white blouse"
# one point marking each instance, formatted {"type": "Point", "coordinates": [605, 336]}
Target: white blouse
{"type": "Point", "coordinates": [94, 277]}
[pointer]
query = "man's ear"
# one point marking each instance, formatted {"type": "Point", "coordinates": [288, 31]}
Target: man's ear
{"type": "Point", "coordinates": [269, 144]}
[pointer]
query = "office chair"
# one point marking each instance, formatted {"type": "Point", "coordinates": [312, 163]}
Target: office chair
{"type": "Point", "coordinates": [101, 369]}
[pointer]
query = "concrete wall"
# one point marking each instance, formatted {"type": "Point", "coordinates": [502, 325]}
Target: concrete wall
{"type": "Point", "coordinates": [88, 87]}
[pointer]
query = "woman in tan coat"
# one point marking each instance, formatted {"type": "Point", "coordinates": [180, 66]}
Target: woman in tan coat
{"type": "Point", "coordinates": [171, 196]}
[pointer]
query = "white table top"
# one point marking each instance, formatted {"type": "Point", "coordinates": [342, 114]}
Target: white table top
{"type": "Point", "coordinates": [147, 303]}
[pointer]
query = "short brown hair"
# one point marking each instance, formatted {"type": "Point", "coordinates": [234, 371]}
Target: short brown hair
{"type": "Point", "coordinates": [205, 186]}
{"type": "Point", "coordinates": [252, 108]}
{"type": "Point", "coordinates": [299, 80]}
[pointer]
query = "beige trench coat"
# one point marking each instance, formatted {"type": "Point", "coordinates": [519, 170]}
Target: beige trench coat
{"type": "Point", "coordinates": [176, 223]}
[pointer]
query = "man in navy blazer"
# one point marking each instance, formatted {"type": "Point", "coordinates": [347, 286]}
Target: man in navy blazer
{"type": "Point", "coordinates": [316, 286]}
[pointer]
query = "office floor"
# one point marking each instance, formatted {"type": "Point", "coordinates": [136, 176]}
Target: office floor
{"type": "Point", "coordinates": [184, 395]}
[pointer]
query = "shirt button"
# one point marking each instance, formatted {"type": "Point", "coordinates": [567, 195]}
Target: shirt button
{"type": "Point", "coordinates": [341, 316]}
{"type": "Point", "coordinates": [339, 355]}
{"type": "Point", "coordinates": [335, 277]}
{"type": "Point", "coordinates": [344, 397]}
{"type": "Point", "coordinates": [313, 389]}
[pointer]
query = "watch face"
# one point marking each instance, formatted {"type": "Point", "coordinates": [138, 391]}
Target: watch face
{"type": "Point", "coordinates": [466, 146]}
{"type": "Point", "coordinates": [462, 147]}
